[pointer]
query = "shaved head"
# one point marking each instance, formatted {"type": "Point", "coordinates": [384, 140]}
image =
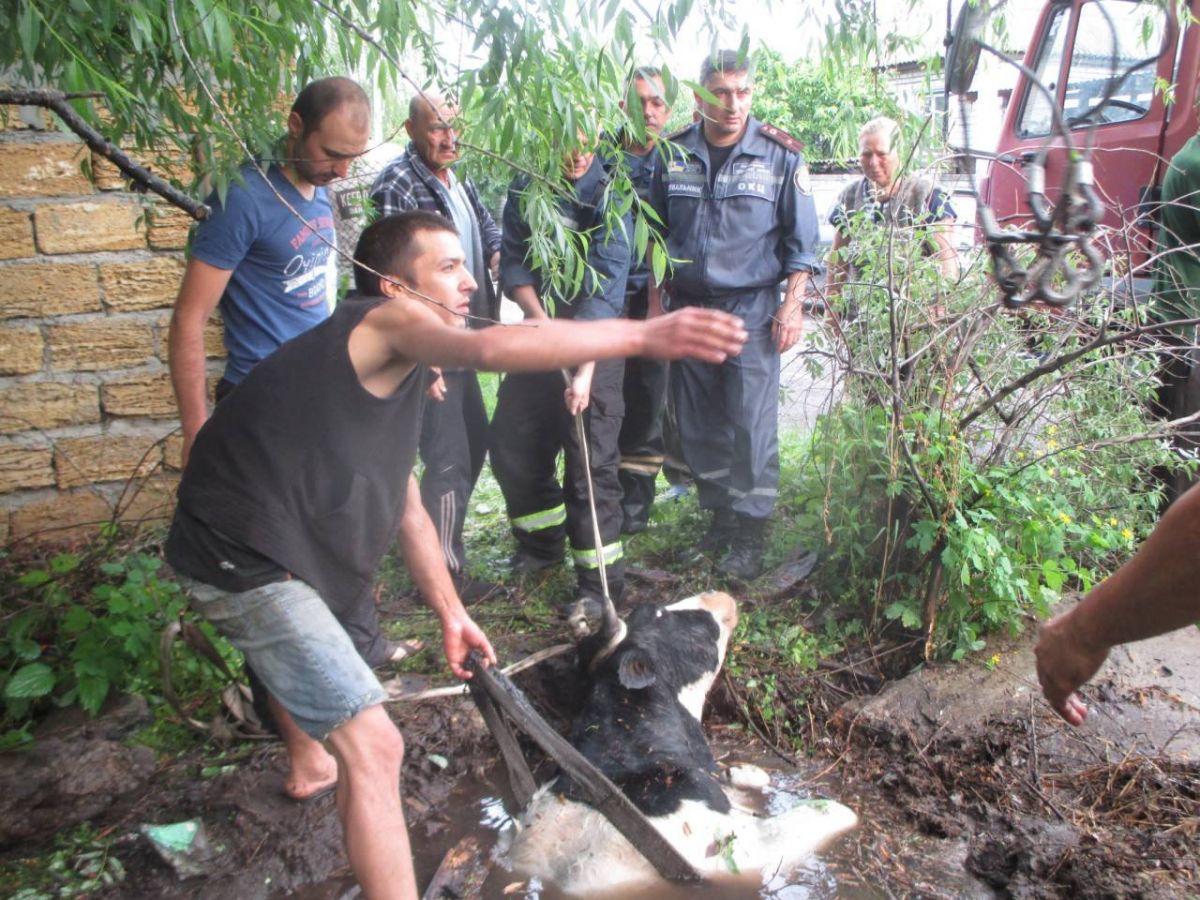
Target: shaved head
{"type": "Point", "coordinates": [431, 128]}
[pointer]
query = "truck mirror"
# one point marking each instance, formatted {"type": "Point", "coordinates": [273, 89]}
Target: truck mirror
{"type": "Point", "coordinates": [962, 56]}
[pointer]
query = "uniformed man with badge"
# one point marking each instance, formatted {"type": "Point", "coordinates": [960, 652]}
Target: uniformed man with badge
{"type": "Point", "coordinates": [642, 443]}
{"type": "Point", "coordinates": [738, 218]}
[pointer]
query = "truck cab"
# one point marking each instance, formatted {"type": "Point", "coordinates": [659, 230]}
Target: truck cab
{"type": "Point", "coordinates": [1077, 46]}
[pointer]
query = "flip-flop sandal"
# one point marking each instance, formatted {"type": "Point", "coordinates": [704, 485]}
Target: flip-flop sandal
{"type": "Point", "coordinates": [402, 650]}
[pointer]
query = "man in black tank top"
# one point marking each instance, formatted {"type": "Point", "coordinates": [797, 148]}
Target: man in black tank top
{"type": "Point", "coordinates": [292, 494]}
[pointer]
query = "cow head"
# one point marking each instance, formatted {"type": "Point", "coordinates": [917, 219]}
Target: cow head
{"type": "Point", "coordinates": [647, 684]}
{"type": "Point", "coordinates": [676, 649]}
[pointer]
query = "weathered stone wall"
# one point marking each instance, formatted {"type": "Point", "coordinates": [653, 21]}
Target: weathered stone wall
{"type": "Point", "coordinates": [88, 273]}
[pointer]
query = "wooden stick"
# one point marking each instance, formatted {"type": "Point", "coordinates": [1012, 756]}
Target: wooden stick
{"type": "Point", "coordinates": [599, 790]}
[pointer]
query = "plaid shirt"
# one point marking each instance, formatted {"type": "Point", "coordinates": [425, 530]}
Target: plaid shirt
{"type": "Point", "coordinates": [406, 183]}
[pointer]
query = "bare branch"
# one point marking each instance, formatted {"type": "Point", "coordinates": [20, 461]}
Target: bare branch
{"type": "Point", "coordinates": [57, 102]}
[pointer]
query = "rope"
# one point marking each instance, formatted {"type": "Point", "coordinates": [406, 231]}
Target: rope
{"type": "Point", "coordinates": [610, 611]}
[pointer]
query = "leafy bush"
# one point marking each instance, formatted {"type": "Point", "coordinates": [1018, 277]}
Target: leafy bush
{"type": "Point", "coordinates": [981, 460]}
{"type": "Point", "coordinates": [81, 864]}
{"type": "Point", "coordinates": [78, 628]}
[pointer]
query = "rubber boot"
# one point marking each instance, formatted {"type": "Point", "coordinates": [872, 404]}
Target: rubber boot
{"type": "Point", "coordinates": [636, 500]}
{"type": "Point", "coordinates": [720, 531]}
{"type": "Point", "coordinates": [744, 561]}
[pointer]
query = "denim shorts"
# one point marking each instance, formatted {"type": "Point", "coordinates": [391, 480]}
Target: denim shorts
{"type": "Point", "coordinates": [297, 647]}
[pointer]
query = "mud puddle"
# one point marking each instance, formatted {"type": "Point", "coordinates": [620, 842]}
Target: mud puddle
{"type": "Point", "coordinates": [479, 812]}
{"type": "Point", "coordinates": [964, 783]}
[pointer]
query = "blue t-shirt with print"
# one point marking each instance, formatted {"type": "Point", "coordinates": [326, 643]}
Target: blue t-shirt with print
{"type": "Point", "coordinates": [282, 283]}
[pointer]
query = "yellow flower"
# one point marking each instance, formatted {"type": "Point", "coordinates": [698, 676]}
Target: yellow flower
{"type": "Point", "coordinates": [1066, 520]}
{"type": "Point", "coordinates": [995, 659]}
{"type": "Point", "coordinates": [1127, 533]}
{"type": "Point", "coordinates": [1052, 444]}
{"type": "Point", "coordinates": [1052, 429]}
{"type": "Point", "coordinates": [1112, 521]}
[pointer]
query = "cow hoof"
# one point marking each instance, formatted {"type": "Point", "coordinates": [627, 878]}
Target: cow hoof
{"type": "Point", "coordinates": [584, 617]}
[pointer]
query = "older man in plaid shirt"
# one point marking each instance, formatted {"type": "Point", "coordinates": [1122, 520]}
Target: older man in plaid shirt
{"type": "Point", "coordinates": [454, 430]}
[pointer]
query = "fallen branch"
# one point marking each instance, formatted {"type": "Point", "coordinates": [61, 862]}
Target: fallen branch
{"type": "Point", "coordinates": [58, 103]}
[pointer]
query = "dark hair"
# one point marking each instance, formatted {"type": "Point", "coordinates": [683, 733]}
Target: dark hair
{"type": "Point", "coordinates": [725, 61]}
{"type": "Point", "coordinates": [647, 72]}
{"type": "Point", "coordinates": [320, 98]}
{"type": "Point", "coordinates": [389, 246]}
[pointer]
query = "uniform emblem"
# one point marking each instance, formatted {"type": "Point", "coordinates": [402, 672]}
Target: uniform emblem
{"type": "Point", "coordinates": [803, 180]}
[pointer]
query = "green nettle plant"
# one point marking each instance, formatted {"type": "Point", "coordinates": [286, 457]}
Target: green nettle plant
{"type": "Point", "coordinates": [80, 627]}
{"type": "Point", "coordinates": [981, 460]}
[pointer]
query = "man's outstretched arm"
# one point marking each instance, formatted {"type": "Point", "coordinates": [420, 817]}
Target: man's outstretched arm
{"type": "Point", "coordinates": [548, 344]}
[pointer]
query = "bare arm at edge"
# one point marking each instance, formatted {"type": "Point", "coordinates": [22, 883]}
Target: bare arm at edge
{"type": "Point", "coordinates": [199, 295]}
{"type": "Point", "coordinates": [1156, 591]}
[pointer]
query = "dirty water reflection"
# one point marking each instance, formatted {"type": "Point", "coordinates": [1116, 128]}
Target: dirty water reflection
{"type": "Point", "coordinates": [836, 872]}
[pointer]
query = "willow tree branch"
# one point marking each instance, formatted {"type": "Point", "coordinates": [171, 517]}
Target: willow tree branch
{"type": "Point", "coordinates": [56, 101]}
{"type": "Point", "coordinates": [369, 38]}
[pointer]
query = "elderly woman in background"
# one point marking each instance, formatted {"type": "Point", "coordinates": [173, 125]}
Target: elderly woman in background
{"type": "Point", "coordinates": [910, 202]}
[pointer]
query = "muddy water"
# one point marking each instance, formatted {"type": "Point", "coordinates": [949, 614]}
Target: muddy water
{"type": "Point", "coordinates": [836, 872]}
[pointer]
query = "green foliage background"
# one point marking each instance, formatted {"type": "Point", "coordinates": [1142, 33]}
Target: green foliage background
{"type": "Point", "coordinates": [820, 105]}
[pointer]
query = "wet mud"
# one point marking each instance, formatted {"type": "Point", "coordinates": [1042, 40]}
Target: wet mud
{"type": "Point", "coordinates": [965, 784]}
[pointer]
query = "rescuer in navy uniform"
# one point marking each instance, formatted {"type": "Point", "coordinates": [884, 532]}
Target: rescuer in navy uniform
{"type": "Point", "coordinates": [534, 418]}
{"type": "Point", "coordinates": [642, 443]}
{"type": "Point", "coordinates": [738, 218]}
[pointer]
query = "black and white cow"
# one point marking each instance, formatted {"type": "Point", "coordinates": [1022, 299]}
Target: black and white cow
{"type": "Point", "coordinates": [641, 727]}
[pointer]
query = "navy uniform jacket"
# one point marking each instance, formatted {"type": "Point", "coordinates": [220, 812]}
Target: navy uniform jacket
{"type": "Point", "coordinates": [757, 225]}
{"type": "Point", "coordinates": [599, 297]}
{"type": "Point", "coordinates": [641, 175]}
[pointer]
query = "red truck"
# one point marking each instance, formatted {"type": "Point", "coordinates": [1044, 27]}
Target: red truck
{"type": "Point", "coordinates": [1076, 47]}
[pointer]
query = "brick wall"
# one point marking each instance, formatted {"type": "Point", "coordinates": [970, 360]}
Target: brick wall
{"type": "Point", "coordinates": [88, 273]}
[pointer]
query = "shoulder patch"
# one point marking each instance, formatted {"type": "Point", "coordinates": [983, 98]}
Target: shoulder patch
{"type": "Point", "coordinates": [781, 137]}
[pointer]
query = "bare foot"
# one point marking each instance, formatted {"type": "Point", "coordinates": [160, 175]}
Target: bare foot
{"type": "Point", "coordinates": [311, 776]}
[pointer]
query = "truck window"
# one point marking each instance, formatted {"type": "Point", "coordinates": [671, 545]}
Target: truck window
{"type": "Point", "coordinates": [1111, 36]}
{"type": "Point", "coordinates": [1036, 118]}
{"type": "Point", "coordinates": [1129, 31]}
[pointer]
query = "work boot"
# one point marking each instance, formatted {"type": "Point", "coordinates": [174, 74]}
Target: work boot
{"type": "Point", "coordinates": [473, 590]}
{"type": "Point", "coordinates": [720, 531]}
{"type": "Point", "coordinates": [525, 563]}
{"type": "Point", "coordinates": [633, 523]}
{"type": "Point", "coordinates": [744, 562]}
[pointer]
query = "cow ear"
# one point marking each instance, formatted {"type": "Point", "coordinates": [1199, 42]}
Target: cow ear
{"type": "Point", "coordinates": [635, 671]}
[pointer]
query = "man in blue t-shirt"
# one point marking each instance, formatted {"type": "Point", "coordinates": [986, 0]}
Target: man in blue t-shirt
{"type": "Point", "coordinates": [270, 271]}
